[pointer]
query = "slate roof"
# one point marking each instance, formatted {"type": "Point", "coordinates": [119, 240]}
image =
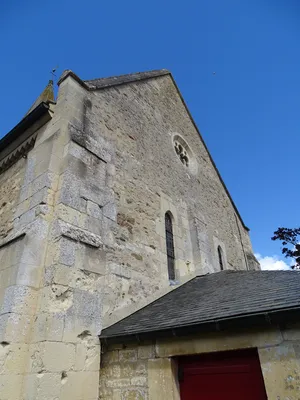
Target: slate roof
{"type": "Point", "coordinates": [215, 297]}
{"type": "Point", "coordinates": [46, 96]}
{"type": "Point", "coordinates": [121, 79]}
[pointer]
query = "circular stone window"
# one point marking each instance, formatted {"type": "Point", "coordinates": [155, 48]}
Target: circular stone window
{"type": "Point", "coordinates": [184, 153]}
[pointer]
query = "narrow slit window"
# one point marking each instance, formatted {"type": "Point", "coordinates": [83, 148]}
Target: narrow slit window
{"type": "Point", "coordinates": [170, 246]}
{"type": "Point", "coordinates": [220, 255]}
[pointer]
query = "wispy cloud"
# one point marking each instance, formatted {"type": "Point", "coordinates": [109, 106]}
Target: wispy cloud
{"type": "Point", "coordinates": [271, 262]}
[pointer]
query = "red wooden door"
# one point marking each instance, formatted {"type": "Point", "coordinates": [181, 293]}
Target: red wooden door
{"type": "Point", "coordinates": [222, 376]}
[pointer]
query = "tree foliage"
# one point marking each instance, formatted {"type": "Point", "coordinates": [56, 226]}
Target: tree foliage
{"type": "Point", "coordinates": [290, 240]}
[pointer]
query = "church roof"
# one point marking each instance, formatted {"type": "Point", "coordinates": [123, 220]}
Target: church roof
{"type": "Point", "coordinates": [213, 300]}
{"type": "Point", "coordinates": [46, 96]}
{"type": "Point", "coordinates": [122, 79]}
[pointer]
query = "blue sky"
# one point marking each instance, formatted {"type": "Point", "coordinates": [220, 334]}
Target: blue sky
{"type": "Point", "coordinates": [248, 112]}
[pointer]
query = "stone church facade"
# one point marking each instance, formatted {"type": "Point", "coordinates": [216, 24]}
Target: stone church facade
{"type": "Point", "coordinates": [88, 185]}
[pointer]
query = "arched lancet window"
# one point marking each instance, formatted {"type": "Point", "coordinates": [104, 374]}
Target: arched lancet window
{"type": "Point", "coordinates": [170, 246]}
{"type": "Point", "coordinates": [220, 255]}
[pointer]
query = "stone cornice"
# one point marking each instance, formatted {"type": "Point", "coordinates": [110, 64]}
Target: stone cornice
{"type": "Point", "coordinates": [18, 153]}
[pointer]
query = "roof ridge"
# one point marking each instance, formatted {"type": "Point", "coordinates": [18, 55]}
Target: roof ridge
{"type": "Point", "coordinates": [99, 83]}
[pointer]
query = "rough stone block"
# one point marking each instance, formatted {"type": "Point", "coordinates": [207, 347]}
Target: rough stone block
{"type": "Point", "coordinates": [67, 249]}
{"type": "Point", "coordinates": [117, 394]}
{"type": "Point", "coordinates": [76, 325]}
{"type": "Point", "coordinates": [110, 211]}
{"type": "Point", "coordinates": [92, 362]}
{"type": "Point", "coordinates": [218, 342]}
{"type": "Point", "coordinates": [58, 356]}
{"type": "Point", "coordinates": [10, 182]}
{"type": "Point", "coordinates": [93, 209]}
{"type": "Point", "coordinates": [86, 304]}
{"type": "Point", "coordinates": [96, 194]}
{"type": "Point", "coordinates": [146, 351]}
{"type": "Point", "coordinates": [48, 327]}
{"type": "Point", "coordinates": [42, 181]}
{"type": "Point", "coordinates": [44, 196]}
{"type": "Point", "coordinates": [11, 253]}
{"type": "Point", "coordinates": [94, 260]}
{"type": "Point", "coordinates": [95, 226]}
{"type": "Point", "coordinates": [139, 381]}
{"type": "Point", "coordinates": [280, 368]}
{"type": "Point", "coordinates": [70, 215]}
{"type": "Point", "coordinates": [162, 380]}
{"type": "Point", "coordinates": [135, 394]}
{"type": "Point", "coordinates": [15, 328]}
{"type": "Point", "coordinates": [63, 275]}
{"type": "Point", "coordinates": [100, 147]}
{"type": "Point", "coordinates": [81, 153]}
{"type": "Point", "coordinates": [76, 234]}
{"type": "Point", "coordinates": [80, 386]}
{"type": "Point", "coordinates": [118, 383]}
{"type": "Point", "coordinates": [55, 299]}
{"type": "Point", "coordinates": [119, 270]}
{"type": "Point", "coordinates": [13, 357]}
{"type": "Point", "coordinates": [19, 299]}
{"type": "Point", "coordinates": [104, 392]}
{"type": "Point", "coordinates": [34, 242]}
{"type": "Point", "coordinates": [127, 369]}
{"type": "Point", "coordinates": [81, 354]}
{"type": "Point", "coordinates": [44, 386]}
{"type": "Point", "coordinates": [11, 386]}
{"type": "Point", "coordinates": [8, 276]}
{"type": "Point", "coordinates": [110, 357]}
{"type": "Point", "coordinates": [92, 172]}
{"type": "Point", "coordinates": [70, 192]}
{"type": "Point", "coordinates": [51, 357]}
{"type": "Point", "coordinates": [87, 357]}
{"type": "Point", "coordinates": [27, 218]}
{"type": "Point", "coordinates": [128, 355]}
{"type": "Point", "coordinates": [29, 275]}
{"type": "Point", "coordinates": [22, 208]}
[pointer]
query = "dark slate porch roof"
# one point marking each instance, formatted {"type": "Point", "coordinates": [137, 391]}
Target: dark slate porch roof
{"type": "Point", "coordinates": [207, 299]}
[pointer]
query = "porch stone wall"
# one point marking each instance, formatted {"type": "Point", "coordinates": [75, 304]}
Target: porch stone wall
{"type": "Point", "coordinates": [147, 371]}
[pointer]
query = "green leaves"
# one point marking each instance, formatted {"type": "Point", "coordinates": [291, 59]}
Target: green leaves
{"type": "Point", "coordinates": [290, 239]}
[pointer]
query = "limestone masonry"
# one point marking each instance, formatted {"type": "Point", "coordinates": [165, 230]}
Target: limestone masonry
{"type": "Point", "coordinates": [85, 186]}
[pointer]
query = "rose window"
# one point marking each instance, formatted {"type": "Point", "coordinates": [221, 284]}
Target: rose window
{"type": "Point", "coordinates": [182, 153]}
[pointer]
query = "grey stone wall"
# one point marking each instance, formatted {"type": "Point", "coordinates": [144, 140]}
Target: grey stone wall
{"type": "Point", "coordinates": [26, 191]}
{"type": "Point", "coordinates": [85, 236]}
{"type": "Point", "coordinates": [10, 184]}
{"type": "Point", "coordinates": [148, 371]}
{"type": "Point", "coordinates": [135, 124]}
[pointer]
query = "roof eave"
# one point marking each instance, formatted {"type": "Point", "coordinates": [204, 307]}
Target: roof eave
{"type": "Point", "coordinates": [24, 124]}
{"type": "Point", "coordinates": [274, 317]}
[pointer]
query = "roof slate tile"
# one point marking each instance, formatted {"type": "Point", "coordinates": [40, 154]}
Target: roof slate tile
{"type": "Point", "coordinates": [213, 297]}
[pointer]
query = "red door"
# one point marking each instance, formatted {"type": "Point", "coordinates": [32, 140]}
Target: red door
{"type": "Point", "coordinates": [222, 376]}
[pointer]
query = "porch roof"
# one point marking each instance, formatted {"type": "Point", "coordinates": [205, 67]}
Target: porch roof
{"type": "Point", "coordinates": [212, 300]}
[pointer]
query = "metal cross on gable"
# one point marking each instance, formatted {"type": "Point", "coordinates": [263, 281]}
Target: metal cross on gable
{"type": "Point", "coordinates": [53, 73]}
